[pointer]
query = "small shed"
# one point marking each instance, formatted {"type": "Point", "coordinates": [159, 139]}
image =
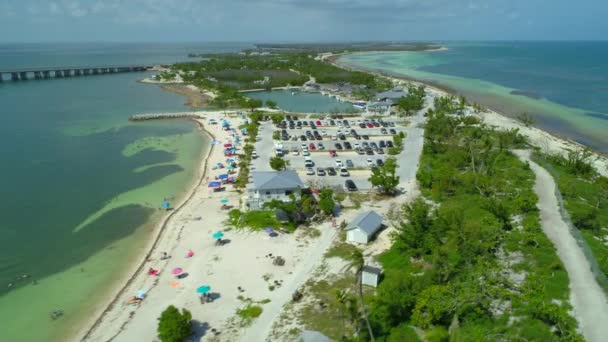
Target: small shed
{"type": "Point", "coordinates": [364, 227]}
{"type": "Point", "coordinates": [370, 275]}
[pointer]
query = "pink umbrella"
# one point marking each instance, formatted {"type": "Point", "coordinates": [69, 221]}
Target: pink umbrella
{"type": "Point", "coordinates": [177, 271]}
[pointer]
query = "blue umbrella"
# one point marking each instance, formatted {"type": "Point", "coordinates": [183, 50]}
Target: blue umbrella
{"type": "Point", "coordinates": [224, 176]}
{"type": "Point", "coordinates": [166, 205]}
{"type": "Point", "coordinates": [224, 201]}
{"type": "Point", "coordinates": [141, 294]}
{"type": "Point", "coordinates": [203, 289]}
{"type": "Point", "coordinates": [215, 184]}
{"type": "Point", "coordinates": [218, 235]}
{"type": "Point", "coordinates": [229, 160]}
{"type": "Point", "coordinates": [269, 230]}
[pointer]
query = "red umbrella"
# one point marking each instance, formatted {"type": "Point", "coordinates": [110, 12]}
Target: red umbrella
{"type": "Point", "coordinates": [177, 271]}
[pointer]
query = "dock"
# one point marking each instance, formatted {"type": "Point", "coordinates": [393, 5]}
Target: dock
{"type": "Point", "coordinates": [65, 72]}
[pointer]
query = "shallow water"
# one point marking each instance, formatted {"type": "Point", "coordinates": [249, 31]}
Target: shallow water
{"type": "Point", "coordinates": [81, 185]}
{"type": "Point", "coordinates": [567, 81]}
{"type": "Point", "coordinates": [302, 101]}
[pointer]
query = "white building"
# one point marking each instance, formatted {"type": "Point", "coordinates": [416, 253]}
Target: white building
{"type": "Point", "coordinates": [272, 185]}
{"type": "Point", "coordinates": [370, 275]}
{"type": "Point", "coordinates": [364, 227]}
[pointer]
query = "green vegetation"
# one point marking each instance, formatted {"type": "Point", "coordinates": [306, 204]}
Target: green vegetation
{"type": "Point", "coordinates": [384, 177]}
{"type": "Point", "coordinates": [271, 104]}
{"type": "Point", "coordinates": [245, 158]}
{"type": "Point", "coordinates": [585, 199]}
{"type": "Point", "coordinates": [397, 144]}
{"type": "Point", "coordinates": [326, 201]}
{"type": "Point", "coordinates": [278, 163]}
{"type": "Point", "coordinates": [526, 119]}
{"type": "Point", "coordinates": [413, 101]}
{"type": "Point", "coordinates": [469, 259]}
{"type": "Point", "coordinates": [174, 326]}
{"type": "Point", "coordinates": [249, 313]}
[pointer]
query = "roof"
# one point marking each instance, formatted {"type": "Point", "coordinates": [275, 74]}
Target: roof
{"type": "Point", "coordinates": [391, 94]}
{"type": "Point", "coordinates": [273, 180]}
{"type": "Point", "coordinates": [312, 336]}
{"type": "Point", "coordinates": [380, 104]}
{"type": "Point", "coordinates": [368, 221]}
{"type": "Point", "coordinates": [372, 269]}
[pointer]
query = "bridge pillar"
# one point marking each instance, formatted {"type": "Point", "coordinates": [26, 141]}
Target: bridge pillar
{"type": "Point", "coordinates": [15, 76]}
{"type": "Point", "coordinates": [37, 75]}
{"type": "Point", "coordinates": [58, 73]}
{"type": "Point", "coordinates": [67, 73]}
{"type": "Point", "coordinates": [46, 74]}
{"type": "Point", "coordinates": [77, 72]}
{"type": "Point", "coordinates": [23, 75]}
{"type": "Point", "coordinates": [95, 71]}
{"type": "Point", "coordinates": [86, 71]}
{"type": "Point", "coordinates": [1, 77]}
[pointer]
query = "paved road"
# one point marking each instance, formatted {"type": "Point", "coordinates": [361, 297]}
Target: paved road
{"type": "Point", "coordinates": [586, 296]}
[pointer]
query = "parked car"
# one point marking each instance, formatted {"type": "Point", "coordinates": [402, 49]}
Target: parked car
{"type": "Point", "coordinates": [374, 146]}
{"type": "Point", "coordinates": [312, 147]}
{"type": "Point", "coordinates": [338, 146]}
{"type": "Point", "coordinates": [365, 137]}
{"type": "Point", "coordinates": [393, 131]}
{"type": "Point", "coordinates": [295, 151]}
{"type": "Point", "coordinates": [380, 151]}
{"type": "Point", "coordinates": [379, 162]}
{"type": "Point", "coordinates": [369, 151]}
{"type": "Point", "coordinates": [383, 131]}
{"type": "Point", "coordinates": [347, 146]}
{"type": "Point", "coordinates": [320, 146]}
{"type": "Point", "coordinates": [338, 163]}
{"type": "Point", "coordinates": [362, 125]}
{"type": "Point", "coordinates": [303, 137]}
{"type": "Point", "coordinates": [342, 137]}
{"type": "Point", "coordinates": [382, 144]}
{"type": "Point", "coordinates": [389, 143]}
{"type": "Point", "coordinates": [331, 171]}
{"type": "Point", "coordinates": [318, 123]}
{"type": "Point", "coordinates": [370, 125]}
{"type": "Point", "coordinates": [310, 171]}
{"type": "Point", "coordinates": [349, 185]}
{"type": "Point", "coordinates": [349, 163]}
{"type": "Point", "coordinates": [320, 171]}
{"type": "Point", "coordinates": [344, 172]}
{"type": "Point", "coordinates": [369, 162]}
{"type": "Point", "coordinates": [360, 151]}
{"type": "Point", "coordinates": [356, 145]}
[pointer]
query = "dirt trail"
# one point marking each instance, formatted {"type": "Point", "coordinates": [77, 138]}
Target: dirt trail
{"type": "Point", "coordinates": [586, 296]}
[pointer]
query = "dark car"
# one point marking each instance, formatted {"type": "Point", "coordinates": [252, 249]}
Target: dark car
{"type": "Point", "coordinates": [342, 137]}
{"type": "Point", "coordinates": [312, 125]}
{"type": "Point", "coordinates": [338, 146]}
{"type": "Point", "coordinates": [358, 137]}
{"type": "Point", "coordinates": [383, 131]}
{"type": "Point", "coordinates": [382, 144]}
{"type": "Point", "coordinates": [320, 171]}
{"type": "Point", "coordinates": [353, 132]}
{"type": "Point", "coordinates": [391, 124]}
{"type": "Point", "coordinates": [389, 143]}
{"type": "Point", "coordinates": [303, 137]}
{"type": "Point", "coordinates": [365, 137]}
{"type": "Point", "coordinates": [392, 130]}
{"type": "Point", "coordinates": [362, 125]}
{"type": "Point", "coordinates": [332, 122]}
{"type": "Point", "coordinates": [350, 185]}
{"type": "Point", "coordinates": [331, 171]}
{"type": "Point", "coordinates": [347, 146]}
{"type": "Point", "coordinates": [379, 162]}
{"type": "Point", "coordinates": [299, 123]}
{"type": "Point", "coordinates": [373, 146]}
{"type": "Point", "coordinates": [369, 151]}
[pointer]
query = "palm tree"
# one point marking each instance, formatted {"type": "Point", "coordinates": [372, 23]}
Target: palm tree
{"type": "Point", "coordinates": [357, 262]}
{"type": "Point", "coordinates": [341, 297]}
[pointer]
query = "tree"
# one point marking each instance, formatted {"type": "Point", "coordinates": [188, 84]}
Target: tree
{"type": "Point", "coordinates": [278, 163]}
{"type": "Point", "coordinates": [326, 201]}
{"type": "Point", "coordinates": [174, 326]}
{"type": "Point", "coordinates": [271, 104]}
{"type": "Point", "coordinates": [357, 262]}
{"type": "Point", "coordinates": [384, 177]}
{"type": "Point", "coordinates": [277, 118]}
{"type": "Point", "coordinates": [254, 104]}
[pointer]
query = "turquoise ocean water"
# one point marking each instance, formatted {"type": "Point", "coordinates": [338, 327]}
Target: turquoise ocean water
{"type": "Point", "coordinates": [81, 186]}
{"type": "Point", "coordinates": [566, 83]}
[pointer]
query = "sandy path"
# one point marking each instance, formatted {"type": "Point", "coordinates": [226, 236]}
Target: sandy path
{"type": "Point", "coordinates": [586, 296]}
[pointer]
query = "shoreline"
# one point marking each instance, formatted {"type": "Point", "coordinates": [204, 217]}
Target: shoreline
{"type": "Point", "coordinates": [89, 325]}
{"type": "Point", "coordinates": [495, 117]}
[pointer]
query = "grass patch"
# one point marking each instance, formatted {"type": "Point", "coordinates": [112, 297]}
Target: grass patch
{"type": "Point", "coordinates": [342, 250]}
{"type": "Point", "coordinates": [249, 313]}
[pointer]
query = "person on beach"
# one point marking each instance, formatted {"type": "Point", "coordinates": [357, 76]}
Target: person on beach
{"type": "Point", "coordinates": [164, 256]}
{"type": "Point", "coordinates": [190, 254]}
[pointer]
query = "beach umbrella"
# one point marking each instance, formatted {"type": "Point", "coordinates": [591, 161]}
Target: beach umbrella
{"type": "Point", "coordinates": [177, 271]}
{"type": "Point", "coordinates": [141, 294]}
{"type": "Point", "coordinates": [269, 230]}
{"type": "Point", "coordinates": [227, 145]}
{"type": "Point", "coordinates": [219, 164]}
{"type": "Point", "coordinates": [224, 176]}
{"type": "Point", "coordinates": [166, 205]}
{"type": "Point", "coordinates": [215, 184]}
{"type": "Point", "coordinates": [203, 289]}
{"type": "Point", "coordinates": [224, 201]}
{"type": "Point", "coordinates": [218, 235]}
{"type": "Point", "coordinates": [230, 167]}
{"type": "Point", "coordinates": [230, 160]}
{"type": "Point", "coordinates": [273, 234]}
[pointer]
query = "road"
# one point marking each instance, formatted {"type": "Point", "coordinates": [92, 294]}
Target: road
{"type": "Point", "coordinates": [586, 296]}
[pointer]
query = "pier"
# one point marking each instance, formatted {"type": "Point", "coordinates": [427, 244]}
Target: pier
{"type": "Point", "coordinates": [164, 116]}
{"type": "Point", "coordinates": [64, 72]}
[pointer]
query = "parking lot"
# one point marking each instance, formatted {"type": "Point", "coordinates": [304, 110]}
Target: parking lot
{"type": "Point", "coordinates": [352, 147]}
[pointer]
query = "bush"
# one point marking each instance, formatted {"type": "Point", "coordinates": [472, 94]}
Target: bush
{"type": "Point", "coordinates": [174, 326]}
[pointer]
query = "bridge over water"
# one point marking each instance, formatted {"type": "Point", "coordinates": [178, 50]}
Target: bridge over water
{"type": "Point", "coordinates": [61, 72]}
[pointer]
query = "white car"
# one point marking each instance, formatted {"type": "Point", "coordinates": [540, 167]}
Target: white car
{"type": "Point", "coordinates": [369, 162]}
{"type": "Point", "coordinates": [344, 172]}
{"type": "Point", "coordinates": [295, 152]}
{"type": "Point", "coordinates": [305, 152]}
{"type": "Point", "coordinates": [334, 137]}
{"type": "Point", "coordinates": [323, 133]}
{"type": "Point", "coordinates": [304, 146]}
{"type": "Point", "coordinates": [338, 163]}
{"type": "Point", "coordinates": [310, 171]}
{"type": "Point", "coordinates": [356, 145]}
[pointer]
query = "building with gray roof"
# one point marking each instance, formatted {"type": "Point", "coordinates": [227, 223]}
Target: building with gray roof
{"type": "Point", "coordinates": [270, 185]}
{"type": "Point", "coordinates": [363, 228]}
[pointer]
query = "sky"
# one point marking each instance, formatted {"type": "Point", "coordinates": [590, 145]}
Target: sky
{"type": "Point", "coordinates": [300, 20]}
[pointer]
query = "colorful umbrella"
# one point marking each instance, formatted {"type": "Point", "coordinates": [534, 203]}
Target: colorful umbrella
{"type": "Point", "coordinates": [224, 176]}
{"type": "Point", "coordinates": [215, 184]}
{"type": "Point", "coordinates": [177, 271]}
{"type": "Point", "coordinates": [166, 205]}
{"type": "Point", "coordinates": [218, 235]}
{"type": "Point", "coordinates": [224, 201]}
{"type": "Point", "coordinates": [269, 230]}
{"type": "Point", "coordinates": [220, 164]}
{"type": "Point", "coordinates": [141, 294]}
{"type": "Point", "coordinates": [203, 289]}
{"type": "Point", "coordinates": [230, 168]}
{"type": "Point", "coordinates": [230, 161]}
